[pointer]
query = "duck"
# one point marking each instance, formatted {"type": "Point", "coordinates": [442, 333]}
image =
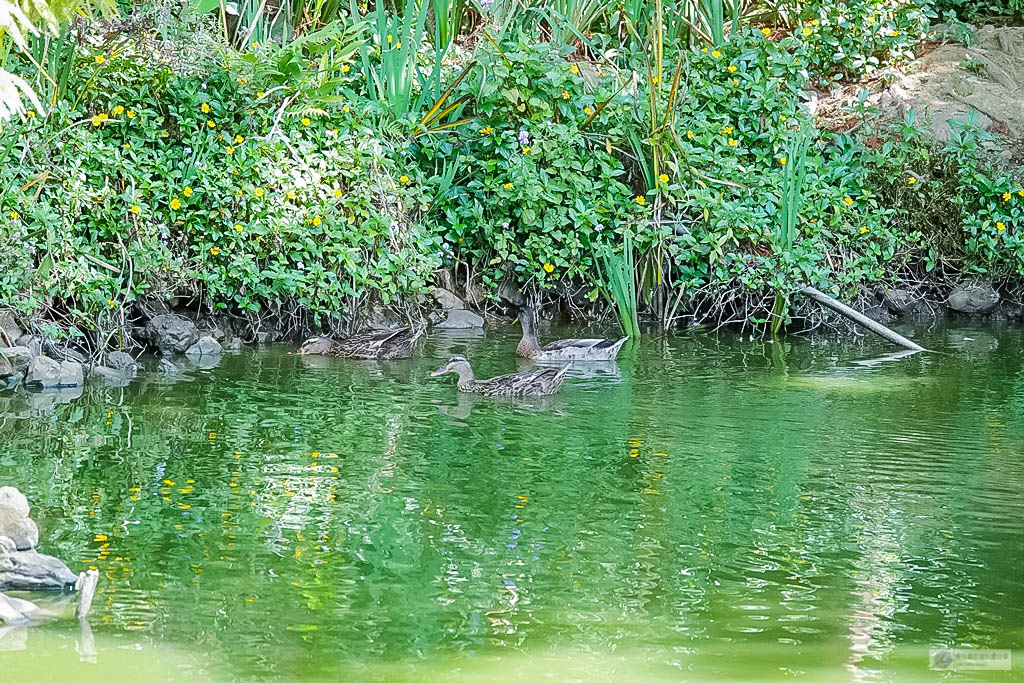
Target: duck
{"type": "Point", "coordinates": [386, 345]}
{"type": "Point", "coordinates": [563, 349]}
{"type": "Point", "coordinates": [542, 382]}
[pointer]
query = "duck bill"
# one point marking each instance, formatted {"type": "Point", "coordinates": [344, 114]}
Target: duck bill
{"type": "Point", "coordinates": [438, 372]}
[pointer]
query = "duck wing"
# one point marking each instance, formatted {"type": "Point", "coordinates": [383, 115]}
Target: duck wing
{"type": "Point", "coordinates": [534, 383]}
{"type": "Point", "coordinates": [368, 344]}
{"type": "Point", "coordinates": [565, 344]}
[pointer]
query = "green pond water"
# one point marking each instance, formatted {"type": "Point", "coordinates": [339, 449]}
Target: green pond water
{"type": "Point", "coordinates": [710, 508]}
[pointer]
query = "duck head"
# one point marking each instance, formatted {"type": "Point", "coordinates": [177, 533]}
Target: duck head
{"type": "Point", "coordinates": [315, 346]}
{"type": "Point", "coordinates": [457, 364]}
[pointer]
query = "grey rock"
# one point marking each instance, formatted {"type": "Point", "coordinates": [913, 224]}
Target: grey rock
{"type": "Point", "coordinates": [6, 370]}
{"type": "Point", "coordinates": [119, 360]}
{"type": "Point", "coordinates": [9, 326]}
{"type": "Point", "coordinates": [32, 342]}
{"type": "Point", "coordinates": [446, 300]}
{"type": "Point", "coordinates": [206, 346]}
{"type": "Point", "coordinates": [171, 333]}
{"type": "Point", "coordinates": [460, 319]}
{"type": "Point", "coordinates": [14, 500]}
{"type": "Point", "coordinates": [22, 530]}
{"type": "Point", "coordinates": [101, 373]}
{"type": "Point", "coordinates": [15, 610]}
{"type": "Point", "coordinates": [508, 291]}
{"type": "Point", "coordinates": [167, 367]}
{"type": "Point", "coordinates": [18, 359]}
{"type": "Point", "coordinates": [898, 301]}
{"type": "Point", "coordinates": [43, 402]}
{"type": "Point", "coordinates": [233, 344]}
{"type": "Point", "coordinates": [65, 353]}
{"type": "Point", "coordinates": [29, 570]}
{"type": "Point", "coordinates": [48, 373]}
{"type": "Point", "coordinates": [973, 298]}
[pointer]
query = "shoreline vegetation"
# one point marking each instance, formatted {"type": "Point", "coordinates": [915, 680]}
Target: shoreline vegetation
{"type": "Point", "coordinates": [327, 168]}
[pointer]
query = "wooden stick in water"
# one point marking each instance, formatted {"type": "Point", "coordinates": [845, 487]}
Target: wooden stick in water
{"type": "Point", "coordinates": [86, 586]}
{"type": "Point", "coordinates": [859, 318]}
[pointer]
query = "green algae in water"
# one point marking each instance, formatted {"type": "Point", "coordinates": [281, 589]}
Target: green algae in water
{"type": "Point", "coordinates": [706, 512]}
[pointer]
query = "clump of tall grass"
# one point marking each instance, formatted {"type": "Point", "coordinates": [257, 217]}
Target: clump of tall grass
{"type": "Point", "coordinates": [791, 201]}
{"type": "Point", "coordinates": [618, 272]}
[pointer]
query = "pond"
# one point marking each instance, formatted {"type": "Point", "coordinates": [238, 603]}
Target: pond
{"type": "Point", "coordinates": [709, 508]}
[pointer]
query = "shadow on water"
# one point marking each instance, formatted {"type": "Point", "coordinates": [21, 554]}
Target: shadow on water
{"type": "Point", "coordinates": [706, 508]}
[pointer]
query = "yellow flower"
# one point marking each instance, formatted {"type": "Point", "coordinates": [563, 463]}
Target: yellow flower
{"type": "Point", "coordinates": [1000, 226]}
{"type": "Point", "coordinates": [486, 131]}
{"type": "Point", "coordinates": [334, 131]}
{"type": "Point", "coordinates": [404, 179]}
{"type": "Point", "coordinates": [291, 194]}
{"type": "Point", "coordinates": [110, 302]}
{"type": "Point", "coordinates": [238, 227]}
{"type": "Point", "coordinates": [131, 114]}
{"type": "Point", "coordinates": [337, 194]}
{"type": "Point", "coordinates": [210, 124]}
{"type": "Point", "coordinates": [317, 220]}
{"type": "Point", "coordinates": [389, 38]}
{"type": "Point", "coordinates": [99, 59]}
{"type": "Point", "coordinates": [238, 193]}
{"type": "Point", "coordinates": [14, 215]}
{"type": "Point", "coordinates": [260, 94]}
{"type": "Point", "coordinates": [733, 142]}
{"type": "Point", "coordinates": [243, 80]}
{"type": "Point", "coordinates": [732, 68]}
{"type": "Point", "coordinates": [214, 251]}
{"type": "Point", "coordinates": [229, 150]}
{"type": "Point", "coordinates": [1020, 193]}
{"type": "Point", "coordinates": [255, 45]}
{"type": "Point", "coordinates": [782, 117]}
{"type": "Point", "coordinates": [548, 267]}
{"type": "Point", "coordinates": [807, 31]}
{"type": "Point", "coordinates": [727, 130]}
{"type": "Point", "coordinates": [345, 109]}
{"type": "Point", "coordinates": [663, 178]}
{"type": "Point", "coordinates": [911, 180]}
{"type": "Point", "coordinates": [259, 191]}
{"type": "Point", "coordinates": [640, 199]}
{"type": "Point", "coordinates": [175, 204]}
{"type": "Point", "coordinates": [305, 121]}
{"type": "Point", "coordinates": [587, 110]}
{"type": "Point", "coordinates": [345, 69]}
{"type": "Point", "coordinates": [99, 119]}
{"type": "Point", "coordinates": [782, 161]}
{"type": "Point", "coordinates": [689, 134]}
{"type": "Point", "coordinates": [126, 146]}
{"type": "Point", "coordinates": [565, 94]}
{"type": "Point", "coordinates": [509, 186]}
{"type": "Point", "coordinates": [735, 83]}
{"type": "Point", "coordinates": [654, 80]}
{"type": "Point", "coordinates": [1006, 196]}
{"type": "Point", "coordinates": [895, 33]}
{"type": "Point", "coordinates": [526, 150]}
{"type": "Point", "coordinates": [848, 201]}
{"type": "Point", "coordinates": [135, 209]}
{"type": "Point", "coordinates": [863, 229]}
{"type": "Point", "coordinates": [239, 139]}
{"type": "Point", "coordinates": [716, 54]}
{"type": "Point", "coordinates": [30, 113]}
{"type": "Point", "coordinates": [575, 69]}
{"type": "Point", "coordinates": [187, 191]}
{"type": "Point", "coordinates": [766, 31]}
{"type": "Point", "coordinates": [204, 107]}
{"type": "Point", "coordinates": [117, 111]}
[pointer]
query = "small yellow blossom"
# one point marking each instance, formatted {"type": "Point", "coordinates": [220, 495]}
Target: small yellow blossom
{"type": "Point", "coordinates": [404, 179]}
{"type": "Point", "coordinates": [565, 94]}
{"type": "Point", "coordinates": [782, 161]}
{"type": "Point", "coordinates": [210, 123]}
{"type": "Point", "coordinates": [175, 204]}
{"type": "Point", "coordinates": [766, 31]}
{"type": "Point", "coordinates": [486, 131]}
{"type": "Point", "coordinates": [110, 302]}
{"type": "Point", "coordinates": [291, 194]}
{"type": "Point", "coordinates": [345, 109]}
{"type": "Point", "coordinates": [243, 80]}
{"type": "Point", "coordinates": [911, 180]}
{"type": "Point", "coordinates": [238, 227]}
{"type": "Point", "coordinates": [863, 229]}
{"type": "Point", "coordinates": [640, 199]}
{"type": "Point", "coordinates": [575, 69]}
{"type": "Point", "coordinates": [305, 121]}
{"type": "Point", "coordinates": [99, 59]}
{"type": "Point", "coordinates": [259, 191]}
{"type": "Point", "coordinates": [317, 220]}
{"type": "Point", "coordinates": [732, 68]}
{"type": "Point", "coordinates": [689, 134]}
{"type": "Point", "coordinates": [587, 110]}
{"type": "Point", "coordinates": [526, 150]}
{"type": "Point", "coordinates": [548, 267]}
{"type": "Point", "coordinates": [13, 215]}
{"type": "Point", "coordinates": [229, 150]}
{"type": "Point", "coordinates": [239, 139]}
{"type": "Point", "coordinates": [1000, 226]}
{"type": "Point", "coordinates": [894, 34]}
{"type": "Point", "coordinates": [30, 113]}
{"type": "Point", "coordinates": [204, 107]}
{"type": "Point", "coordinates": [733, 142]}
{"type": "Point", "coordinates": [99, 119]}
{"type": "Point", "coordinates": [135, 209]}
{"type": "Point", "coordinates": [848, 201]}
{"type": "Point", "coordinates": [117, 111]}
{"type": "Point", "coordinates": [345, 69]}
{"type": "Point", "coordinates": [663, 178]}
{"type": "Point", "coordinates": [509, 186]}
{"type": "Point", "coordinates": [716, 54]}
{"type": "Point", "coordinates": [390, 38]}
{"type": "Point", "coordinates": [735, 83]}
{"type": "Point", "coordinates": [126, 146]}
{"type": "Point", "coordinates": [337, 194]}
{"type": "Point", "coordinates": [260, 94]}
{"type": "Point", "coordinates": [187, 191]}
{"type": "Point", "coordinates": [1006, 196]}
{"type": "Point", "coordinates": [130, 114]}
{"type": "Point", "coordinates": [807, 31]}
{"type": "Point", "coordinates": [213, 251]}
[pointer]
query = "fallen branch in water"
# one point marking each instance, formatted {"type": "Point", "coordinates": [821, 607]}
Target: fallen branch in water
{"type": "Point", "coordinates": [859, 318]}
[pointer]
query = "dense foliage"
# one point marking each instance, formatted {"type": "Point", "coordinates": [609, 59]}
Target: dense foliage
{"type": "Point", "coordinates": [345, 166]}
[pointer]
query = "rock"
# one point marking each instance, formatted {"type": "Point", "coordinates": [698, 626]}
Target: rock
{"type": "Point", "coordinates": [15, 610]}
{"type": "Point", "coordinates": [6, 369]}
{"type": "Point", "coordinates": [47, 373]}
{"type": "Point", "coordinates": [171, 333]}
{"type": "Point", "coordinates": [14, 521]}
{"type": "Point", "coordinates": [206, 346]}
{"type": "Point", "coordinates": [101, 373]}
{"type": "Point", "coordinates": [32, 342]}
{"type": "Point", "coordinates": [446, 300]}
{"type": "Point", "coordinates": [67, 354]}
{"type": "Point", "coordinates": [167, 367]}
{"type": "Point", "coordinates": [460, 319]}
{"type": "Point", "coordinates": [14, 500]}
{"type": "Point", "coordinates": [973, 298]}
{"type": "Point", "coordinates": [233, 344]}
{"type": "Point", "coordinates": [898, 301]}
{"type": "Point", "coordinates": [29, 570]}
{"type": "Point", "coordinates": [18, 359]}
{"type": "Point", "coordinates": [119, 360]}
{"type": "Point", "coordinates": [9, 330]}
{"type": "Point", "coordinates": [508, 291]}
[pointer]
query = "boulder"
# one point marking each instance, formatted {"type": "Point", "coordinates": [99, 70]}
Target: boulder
{"type": "Point", "coordinates": [102, 373]}
{"type": "Point", "coordinates": [973, 298]}
{"type": "Point", "coordinates": [898, 301]}
{"type": "Point", "coordinates": [16, 610]}
{"type": "Point", "coordinates": [171, 333]}
{"type": "Point", "coordinates": [65, 353]}
{"type": "Point", "coordinates": [29, 570]}
{"type": "Point", "coordinates": [33, 343]}
{"type": "Point", "coordinates": [206, 346]}
{"type": "Point", "coordinates": [446, 300]}
{"type": "Point", "coordinates": [48, 373]}
{"type": "Point", "coordinates": [9, 327]}
{"type": "Point", "coordinates": [119, 360]}
{"type": "Point", "coordinates": [14, 500]}
{"type": "Point", "coordinates": [461, 319]}
{"type": "Point", "coordinates": [167, 367]}
{"type": "Point", "coordinates": [14, 521]}
{"type": "Point", "coordinates": [17, 358]}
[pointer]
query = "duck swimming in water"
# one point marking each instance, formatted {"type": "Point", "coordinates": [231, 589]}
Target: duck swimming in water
{"type": "Point", "coordinates": [386, 345]}
{"type": "Point", "coordinates": [563, 349]}
{"type": "Point", "coordinates": [541, 382]}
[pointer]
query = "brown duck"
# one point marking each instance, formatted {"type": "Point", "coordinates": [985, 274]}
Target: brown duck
{"type": "Point", "coordinates": [386, 345]}
{"type": "Point", "coordinates": [563, 349]}
{"type": "Point", "coordinates": [532, 383]}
